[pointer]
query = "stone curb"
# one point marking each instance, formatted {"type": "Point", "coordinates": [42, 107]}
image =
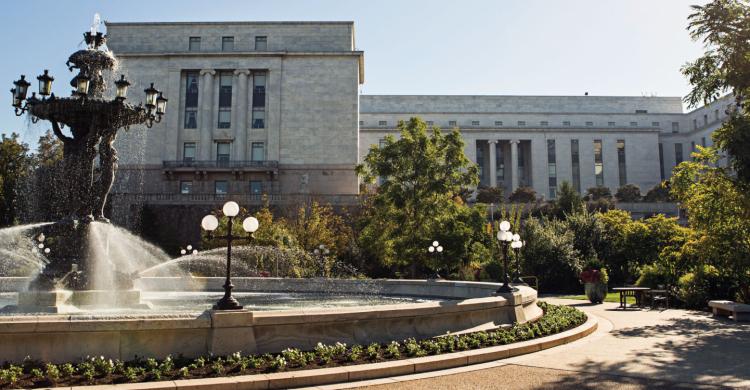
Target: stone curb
{"type": "Point", "coordinates": [359, 372]}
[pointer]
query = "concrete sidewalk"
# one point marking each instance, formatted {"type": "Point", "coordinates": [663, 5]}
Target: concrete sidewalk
{"type": "Point", "coordinates": [633, 349]}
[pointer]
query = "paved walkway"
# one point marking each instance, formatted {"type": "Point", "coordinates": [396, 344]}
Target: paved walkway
{"type": "Point", "coordinates": [634, 349]}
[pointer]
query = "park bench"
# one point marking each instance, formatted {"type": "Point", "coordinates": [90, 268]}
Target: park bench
{"type": "Point", "coordinates": [738, 311]}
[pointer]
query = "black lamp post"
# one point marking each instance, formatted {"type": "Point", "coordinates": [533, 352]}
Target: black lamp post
{"type": "Point", "coordinates": [505, 236]}
{"type": "Point", "coordinates": [437, 250]}
{"type": "Point", "coordinates": [250, 225]}
{"type": "Point", "coordinates": [322, 251]}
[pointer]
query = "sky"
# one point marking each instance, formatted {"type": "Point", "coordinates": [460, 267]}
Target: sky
{"type": "Point", "coordinates": [469, 47]}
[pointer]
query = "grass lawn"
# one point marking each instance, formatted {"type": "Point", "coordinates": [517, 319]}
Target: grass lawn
{"type": "Point", "coordinates": [611, 297]}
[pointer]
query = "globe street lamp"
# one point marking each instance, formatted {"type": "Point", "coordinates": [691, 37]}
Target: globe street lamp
{"type": "Point", "coordinates": [250, 225]}
{"type": "Point", "coordinates": [437, 250]}
{"type": "Point", "coordinates": [516, 245]}
{"type": "Point", "coordinates": [505, 236]}
{"type": "Point", "coordinates": [322, 251]}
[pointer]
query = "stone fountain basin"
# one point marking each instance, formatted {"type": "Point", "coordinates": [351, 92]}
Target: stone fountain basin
{"type": "Point", "coordinates": [462, 307]}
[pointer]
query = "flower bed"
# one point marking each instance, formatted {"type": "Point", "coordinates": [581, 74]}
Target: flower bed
{"type": "Point", "coordinates": [100, 370]}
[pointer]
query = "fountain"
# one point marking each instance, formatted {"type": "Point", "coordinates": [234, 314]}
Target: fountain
{"type": "Point", "coordinates": [71, 275]}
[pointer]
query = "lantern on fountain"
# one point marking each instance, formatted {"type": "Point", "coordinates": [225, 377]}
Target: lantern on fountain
{"type": "Point", "coordinates": [45, 84]}
{"type": "Point", "coordinates": [19, 92]}
{"type": "Point", "coordinates": [151, 98]}
{"type": "Point", "coordinates": [161, 105]}
{"type": "Point", "coordinates": [81, 83]}
{"type": "Point", "coordinates": [122, 88]}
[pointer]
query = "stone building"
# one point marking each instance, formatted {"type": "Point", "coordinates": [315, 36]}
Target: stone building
{"type": "Point", "coordinates": [274, 108]}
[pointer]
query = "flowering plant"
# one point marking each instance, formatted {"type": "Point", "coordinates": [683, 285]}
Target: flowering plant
{"type": "Point", "coordinates": [595, 276]}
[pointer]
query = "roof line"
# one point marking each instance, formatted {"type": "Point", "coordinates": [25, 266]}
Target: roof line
{"type": "Point", "coordinates": [108, 23]}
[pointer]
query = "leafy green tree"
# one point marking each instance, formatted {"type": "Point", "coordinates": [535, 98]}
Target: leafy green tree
{"type": "Point", "coordinates": [599, 192]}
{"type": "Point", "coordinates": [628, 193]}
{"type": "Point", "coordinates": [659, 193]}
{"type": "Point", "coordinates": [317, 224]}
{"type": "Point", "coordinates": [724, 28]}
{"type": "Point", "coordinates": [523, 194]}
{"type": "Point", "coordinates": [422, 178]}
{"type": "Point", "coordinates": [490, 195]}
{"type": "Point", "coordinates": [15, 167]}
{"type": "Point", "coordinates": [568, 200]}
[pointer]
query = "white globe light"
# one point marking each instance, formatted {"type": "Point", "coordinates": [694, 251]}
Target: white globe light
{"type": "Point", "coordinates": [516, 237]}
{"type": "Point", "coordinates": [182, 251]}
{"type": "Point", "coordinates": [189, 247]}
{"type": "Point", "coordinates": [231, 209]}
{"type": "Point", "coordinates": [250, 224]}
{"type": "Point", "coordinates": [316, 251]}
{"type": "Point", "coordinates": [509, 236]}
{"type": "Point", "coordinates": [505, 226]}
{"type": "Point", "coordinates": [435, 243]}
{"type": "Point", "coordinates": [326, 251]}
{"type": "Point", "coordinates": [40, 246]}
{"type": "Point", "coordinates": [431, 249]}
{"type": "Point", "coordinates": [46, 250]}
{"type": "Point", "coordinates": [195, 251]}
{"type": "Point", "coordinates": [209, 222]}
{"type": "Point", "coordinates": [440, 249]}
{"type": "Point", "coordinates": [41, 237]}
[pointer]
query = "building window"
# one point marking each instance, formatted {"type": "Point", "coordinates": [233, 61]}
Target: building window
{"type": "Point", "coordinates": [256, 187]}
{"type": "Point", "coordinates": [695, 124]}
{"type": "Point", "coordinates": [675, 127]}
{"type": "Point", "coordinates": [191, 100]}
{"type": "Point", "coordinates": [430, 123]}
{"type": "Point", "coordinates": [521, 165]}
{"type": "Point", "coordinates": [480, 163]}
{"type": "Point", "coordinates": [589, 124]}
{"type": "Point", "coordinates": [598, 163]}
{"type": "Point", "coordinates": [641, 111]}
{"type": "Point", "coordinates": [382, 123]}
{"type": "Point", "coordinates": [361, 123]}
{"type": "Point", "coordinates": [259, 90]}
{"type": "Point", "coordinates": [186, 187]}
{"type": "Point", "coordinates": [661, 162]}
{"type": "Point", "coordinates": [259, 118]}
{"type": "Point", "coordinates": [194, 44]}
{"type": "Point", "coordinates": [499, 163]}
{"type": "Point", "coordinates": [227, 43]}
{"type": "Point", "coordinates": [692, 150]}
{"type": "Point", "coordinates": [576, 164]}
{"type": "Point", "coordinates": [452, 123]}
{"type": "Point", "coordinates": [222, 153]}
{"type": "Point", "coordinates": [261, 43]}
{"type": "Point", "coordinates": [611, 124]}
{"type": "Point", "coordinates": [566, 123]}
{"type": "Point", "coordinates": [221, 187]}
{"type": "Point", "coordinates": [475, 123]}
{"type": "Point", "coordinates": [188, 151]}
{"type": "Point", "coordinates": [678, 153]}
{"type": "Point", "coordinates": [258, 151]}
{"type": "Point", "coordinates": [225, 100]}
{"type": "Point", "coordinates": [552, 168]}
{"type": "Point", "coordinates": [621, 167]}
{"type": "Point", "coordinates": [655, 124]}
{"type": "Point", "coordinates": [703, 141]}
{"type": "Point", "coordinates": [522, 123]}
{"type": "Point", "coordinates": [633, 124]}
{"type": "Point", "coordinates": [499, 123]}
{"type": "Point", "coordinates": [543, 123]}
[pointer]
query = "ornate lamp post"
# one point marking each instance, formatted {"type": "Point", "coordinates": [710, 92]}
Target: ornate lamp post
{"type": "Point", "coordinates": [250, 225]}
{"type": "Point", "coordinates": [437, 250]}
{"type": "Point", "coordinates": [321, 252]}
{"type": "Point", "coordinates": [505, 236]}
{"type": "Point", "coordinates": [516, 245]}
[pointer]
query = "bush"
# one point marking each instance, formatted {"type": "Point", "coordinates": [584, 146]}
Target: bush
{"type": "Point", "coordinates": [596, 193]}
{"type": "Point", "coordinates": [490, 195]}
{"type": "Point", "coordinates": [659, 193]}
{"type": "Point", "coordinates": [550, 255]}
{"type": "Point", "coordinates": [628, 193]}
{"type": "Point", "coordinates": [695, 289]}
{"type": "Point", "coordinates": [600, 205]}
{"type": "Point", "coordinates": [523, 195]}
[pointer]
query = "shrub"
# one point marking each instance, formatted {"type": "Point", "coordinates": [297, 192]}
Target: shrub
{"type": "Point", "coordinates": [628, 193]}
{"type": "Point", "coordinates": [695, 289]}
{"type": "Point", "coordinates": [596, 193]}
{"type": "Point", "coordinates": [659, 193]}
{"type": "Point", "coordinates": [523, 195]}
{"type": "Point", "coordinates": [490, 195]}
{"type": "Point", "coordinates": [549, 254]}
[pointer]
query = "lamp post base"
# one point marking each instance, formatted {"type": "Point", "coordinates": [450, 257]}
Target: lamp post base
{"type": "Point", "coordinates": [228, 303]}
{"type": "Point", "coordinates": [505, 289]}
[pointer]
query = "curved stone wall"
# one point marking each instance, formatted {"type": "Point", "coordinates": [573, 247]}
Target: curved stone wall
{"type": "Point", "coordinates": [469, 307]}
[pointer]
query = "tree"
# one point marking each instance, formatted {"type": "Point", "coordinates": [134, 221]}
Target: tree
{"type": "Point", "coordinates": [317, 225]}
{"type": "Point", "coordinates": [490, 195]}
{"type": "Point", "coordinates": [568, 200]}
{"type": "Point", "coordinates": [15, 166]}
{"type": "Point", "coordinates": [523, 194]}
{"type": "Point", "coordinates": [422, 179]}
{"type": "Point", "coordinates": [659, 193]}
{"type": "Point", "coordinates": [599, 192]}
{"type": "Point", "coordinates": [724, 28]}
{"type": "Point", "coordinates": [628, 193]}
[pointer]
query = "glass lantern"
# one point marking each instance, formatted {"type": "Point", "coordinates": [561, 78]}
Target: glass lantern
{"type": "Point", "coordinates": [161, 104]}
{"type": "Point", "coordinates": [82, 82]}
{"type": "Point", "coordinates": [122, 87]}
{"type": "Point", "coordinates": [151, 97]}
{"type": "Point", "coordinates": [45, 83]}
{"type": "Point", "coordinates": [22, 87]}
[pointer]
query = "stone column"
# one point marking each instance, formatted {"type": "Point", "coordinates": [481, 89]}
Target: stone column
{"type": "Point", "coordinates": [514, 164]}
{"type": "Point", "coordinates": [173, 129]}
{"type": "Point", "coordinates": [206, 100]}
{"type": "Point", "coordinates": [240, 108]}
{"type": "Point", "coordinates": [493, 162]}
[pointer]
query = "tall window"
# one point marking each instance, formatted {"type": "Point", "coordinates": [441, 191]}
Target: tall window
{"type": "Point", "coordinates": [227, 43]}
{"type": "Point", "coordinates": [598, 163]}
{"type": "Point", "coordinates": [194, 43]}
{"type": "Point", "coordinates": [692, 150]}
{"type": "Point", "coordinates": [661, 161]}
{"type": "Point", "coordinates": [575, 158]}
{"type": "Point", "coordinates": [261, 43]}
{"type": "Point", "coordinates": [221, 187]}
{"type": "Point", "coordinates": [622, 170]}
{"type": "Point", "coordinates": [259, 101]}
{"type": "Point", "coordinates": [225, 100]}
{"type": "Point", "coordinates": [480, 162]}
{"type": "Point", "coordinates": [188, 151]}
{"type": "Point", "coordinates": [675, 127]}
{"type": "Point", "coordinates": [552, 168]}
{"type": "Point", "coordinates": [257, 151]}
{"type": "Point", "coordinates": [186, 187]}
{"type": "Point", "coordinates": [521, 166]}
{"type": "Point", "coordinates": [191, 100]}
{"type": "Point", "coordinates": [222, 153]}
{"type": "Point", "coordinates": [256, 187]}
{"type": "Point", "coordinates": [499, 163]}
{"type": "Point", "coordinates": [678, 153]}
